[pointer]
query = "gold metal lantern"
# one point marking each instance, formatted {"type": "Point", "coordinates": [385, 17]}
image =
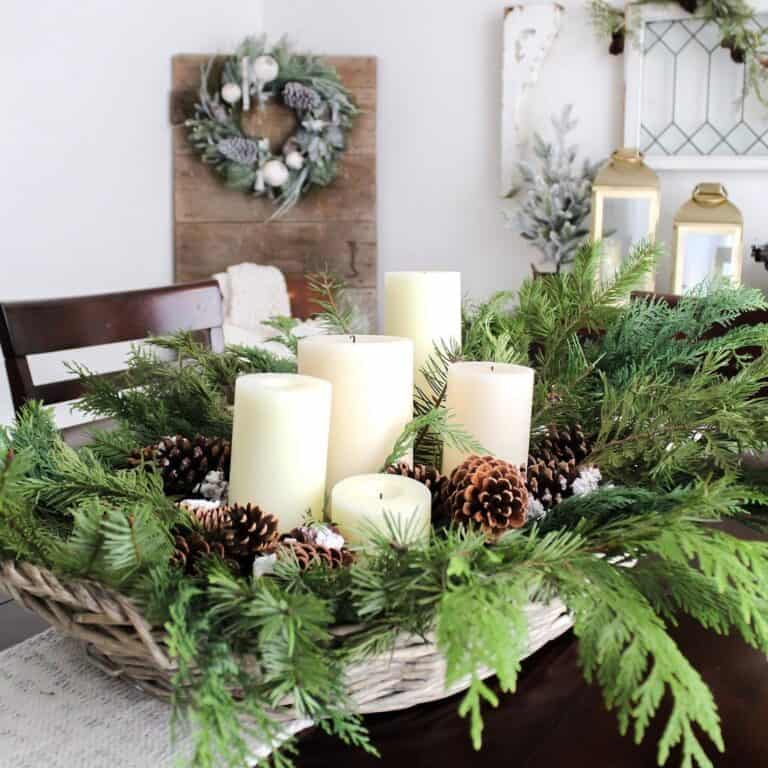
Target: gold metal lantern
{"type": "Point", "coordinates": [707, 238]}
{"type": "Point", "coordinates": [625, 208]}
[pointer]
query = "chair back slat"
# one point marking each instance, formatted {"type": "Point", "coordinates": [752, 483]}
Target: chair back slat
{"type": "Point", "coordinates": [53, 325]}
{"type": "Point", "coordinates": [56, 325]}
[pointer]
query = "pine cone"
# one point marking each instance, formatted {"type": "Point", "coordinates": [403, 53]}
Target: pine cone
{"type": "Point", "coordinates": [192, 548]}
{"type": "Point", "coordinates": [564, 444]}
{"type": "Point", "coordinates": [300, 97]}
{"type": "Point", "coordinates": [616, 48]}
{"type": "Point", "coordinates": [488, 492]}
{"type": "Point", "coordinates": [249, 532]}
{"type": "Point", "coordinates": [213, 520]}
{"type": "Point", "coordinates": [239, 150]}
{"type": "Point", "coordinates": [184, 463]}
{"type": "Point", "coordinates": [309, 552]}
{"type": "Point", "coordinates": [426, 474]}
{"type": "Point", "coordinates": [549, 480]}
{"type": "Point", "coordinates": [738, 55]}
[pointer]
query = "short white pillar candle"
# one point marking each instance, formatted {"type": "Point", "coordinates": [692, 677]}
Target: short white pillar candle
{"type": "Point", "coordinates": [359, 505]}
{"type": "Point", "coordinates": [280, 445]}
{"type": "Point", "coordinates": [372, 378]}
{"type": "Point", "coordinates": [493, 402]}
{"type": "Point", "coordinates": [426, 308]}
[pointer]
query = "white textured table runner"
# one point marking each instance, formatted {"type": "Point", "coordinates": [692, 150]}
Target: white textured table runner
{"type": "Point", "coordinates": [58, 711]}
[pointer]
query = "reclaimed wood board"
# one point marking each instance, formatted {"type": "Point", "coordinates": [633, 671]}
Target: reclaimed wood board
{"type": "Point", "coordinates": [216, 227]}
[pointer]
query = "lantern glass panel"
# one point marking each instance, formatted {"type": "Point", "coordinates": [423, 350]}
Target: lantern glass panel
{"type": "Point", "coordinates": [626, 221]}
{"type": "Point", "coordinates": [707, 255]}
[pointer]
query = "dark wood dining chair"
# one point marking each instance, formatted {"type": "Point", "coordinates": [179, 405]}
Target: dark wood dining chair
{"type": "Point", "coordinates": [55, 325]}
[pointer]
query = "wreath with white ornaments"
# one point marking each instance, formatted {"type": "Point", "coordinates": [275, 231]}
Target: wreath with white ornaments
{"type": "Point", "coordinates": [271, 122]}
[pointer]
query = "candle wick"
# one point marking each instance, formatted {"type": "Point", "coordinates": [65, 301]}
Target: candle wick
{"type": "Point", "coordinates": [354, 339]}
{"type": "Point", "coordinates": [381, 496]}
{"type": "Point", "coordinates": [493, 368]}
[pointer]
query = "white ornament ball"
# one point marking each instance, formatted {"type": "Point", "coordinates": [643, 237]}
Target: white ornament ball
{"type": "Point", "coordinates": [264, 69]}
{"type": "Point", "coordinates": [231, 93]}
{"type": "Point", "coordinates": [275, 173]}
{"type": "Point", "coordinates": [294, 160]}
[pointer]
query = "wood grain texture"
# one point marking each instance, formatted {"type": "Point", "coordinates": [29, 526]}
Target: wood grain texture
{"type": "Point", "coordinates": [335, 227]}
{"type": "Point", "coordinates": [346, 248]}
{"type": "Point", "coordinates": [200, 195]}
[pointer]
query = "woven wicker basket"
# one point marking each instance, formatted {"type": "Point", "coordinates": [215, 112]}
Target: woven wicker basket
{"type": "Point", "coordinates": [119, 640]}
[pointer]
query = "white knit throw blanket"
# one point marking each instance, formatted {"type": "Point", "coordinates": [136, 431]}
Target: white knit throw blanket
{"type": "Point", "coordinates": [253, 293]}
{"type": "Point", "coordinates": [58, 711]}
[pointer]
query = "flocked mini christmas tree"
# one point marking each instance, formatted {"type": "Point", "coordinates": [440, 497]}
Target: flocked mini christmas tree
{"type": "Point", "coordinates": [555, 197]}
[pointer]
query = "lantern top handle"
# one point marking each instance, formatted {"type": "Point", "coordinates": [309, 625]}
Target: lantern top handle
{"type": "Point", "coordinates": [709, 205]}
{"type": "Point", "coordinates": [629, 155]}
{"type": "Point", "coordinates": [625, 172]}
{"type": "Point", "coordinates": [710, 194]}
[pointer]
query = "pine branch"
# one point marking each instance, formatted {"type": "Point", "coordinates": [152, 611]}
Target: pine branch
{"type": "Point", "coordinates": [188, 394]}
{"type": "Point", "coordinates": [329, 293]}
{"type": "Point", "coordinates": [77, 476]}
{"type": "Point", "coordinates": [22, 534]}
{"type": "Point", "coordinates": [117, 546]}
{"type": "Point", "coordinates": [285, 327]}
{"type": "Point", "coordinates": [427, 444]}
{"type": "Point", "coordinates": [437, 422]}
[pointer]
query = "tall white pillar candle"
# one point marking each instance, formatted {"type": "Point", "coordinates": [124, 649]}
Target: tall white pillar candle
{"type": "Point", "coordinates": [280, 445]}
{"type": "Point", "coordinates": [360, 505]}
{"type": "Point", "coordinates": [372, 378]}
{"type": "Point", "coordinates": [426, 308]}
{"type": "Point", "coordinates": [493, 402]}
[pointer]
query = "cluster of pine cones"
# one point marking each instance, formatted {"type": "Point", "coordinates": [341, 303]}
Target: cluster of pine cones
{"type": "Point", "coordinates": [497, 496]}
{"type": "Point", "coordinates": [238, 534]}
{"type": "Point", "coordinates": [489, 493]}
{"type": "Point", "coordinates": [184, 463]}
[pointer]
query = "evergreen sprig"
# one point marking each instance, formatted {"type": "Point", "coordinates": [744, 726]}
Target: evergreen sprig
{"type": "Point", "coordinates": [21, 535]}
{"type": "Point", "coordinates": [115, 545]}
{"type": "Point", "coordinates": [438, 423]}
{"type": "Point", "coordinates": [173, 385]}
{"type": "Point", "coordinates": [337, 314]}
{"type": "Point", "coordinates": [286, 636]}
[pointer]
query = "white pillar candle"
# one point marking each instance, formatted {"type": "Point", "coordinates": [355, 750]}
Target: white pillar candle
{"type": "Point", "coordinates": [426, 308]}
{"type": "Point", "coordinates": [280, 445]}
{"type": "Point", "coordinates": [359, 505]}
{"type": "Point", "coordinates": [372, 378]}
{"type": "Point", "coordinates": [493, 402]}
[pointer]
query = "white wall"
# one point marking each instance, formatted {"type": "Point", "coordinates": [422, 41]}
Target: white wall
{"type": "Point", "coordinates": [85, 165]}
{"type": "Point", "coordinates": [438, 124]}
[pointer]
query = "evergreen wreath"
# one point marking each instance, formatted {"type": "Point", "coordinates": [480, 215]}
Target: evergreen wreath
{"type": "Point", "coordinates": [640, 389]}
{"type": "Point", "coordinates": [249, 79]}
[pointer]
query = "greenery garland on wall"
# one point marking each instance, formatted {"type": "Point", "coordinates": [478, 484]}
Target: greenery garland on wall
{"type": "Point", "coordinates": [668, 419]}
{"type": "Point", "coordinates": [254, 76]}
{"type": "Point", "coordinates": [741, 32]}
